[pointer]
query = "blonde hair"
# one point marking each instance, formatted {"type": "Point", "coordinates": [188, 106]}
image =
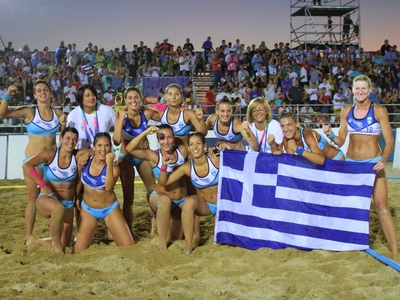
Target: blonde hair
{"type": "Point", "coordinates": [253, 104]}
{"type": "Point", "coordinates": [362, 78]}
{"type": "Point", "coordinates": [174, 85]}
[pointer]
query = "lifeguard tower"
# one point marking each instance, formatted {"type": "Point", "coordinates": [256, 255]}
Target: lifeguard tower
{"type": "Point", "coordinates": [314, 23]}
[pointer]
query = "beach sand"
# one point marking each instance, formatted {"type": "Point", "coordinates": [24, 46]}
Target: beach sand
{"type": "Point", "coordinates": [105, 271]}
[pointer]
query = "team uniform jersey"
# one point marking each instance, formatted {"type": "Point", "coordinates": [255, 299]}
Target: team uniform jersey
{"type": "Point", "coordinates": [210, 180]}
{"type": "Point", "coordinates": [170, 167]}
{"type": "Point", "coordinates": [368, 125]}
{"type": "Point", "coordinates": [94, 182]}
{"type": "Point", "coordinates": [230, 136]}
{"type": "Point", "coordinates": [180, 128]}
{"type": "Point", "coordinates": [54, 173]}
{"type": "Point", "coordinates": [129, 132]}
{"type": "Point", "coordinates": [40, 127]}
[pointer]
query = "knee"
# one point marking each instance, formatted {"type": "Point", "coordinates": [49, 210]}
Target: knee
{"type": "Point", "coordinates": [189, 205]}
{"type": "Point", "coordinates": [163, 201]}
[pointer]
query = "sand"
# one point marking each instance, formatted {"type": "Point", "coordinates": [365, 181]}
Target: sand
{"type": "Point", "coordinates": [105, 271]}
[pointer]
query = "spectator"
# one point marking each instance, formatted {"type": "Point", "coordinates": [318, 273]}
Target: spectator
{"type": "Point", "coordinates": [208, 47]}
{"type": "Point", "coordinates": [210, 100]}
{"type": "Point", "coordinates": [217, 69]}
{"type": "Point", "coordinates": [347, 22]}
{"type": "Point", "coordinates": [296, 94]}
{"type": "Point", "coordinates": [339, 101]}
{"type": "Point", "coordinates": [254, 93]}
{"type": "Point", "coordinates": [184, 64]}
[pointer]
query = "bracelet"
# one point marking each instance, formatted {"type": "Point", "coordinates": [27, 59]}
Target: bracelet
{"type": "Point", "coordinates": [299, 150]}
{"type": "Point", "coordinates": [331, 136]}
{"type": "Point", "coordinates": [163, 169]}
{"type": "Point", "coordinates": [41, 185]}
{"type": "Point", "coordinates": [7, 97]}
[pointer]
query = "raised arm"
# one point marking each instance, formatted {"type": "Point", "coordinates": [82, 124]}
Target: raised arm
{"type": "Point", "coordinates": [247, 134]}
{"type": "Point", "coordinates": [341, 138]}
{"type": "Point", "coordinates": [118, 125]}
{"type": "Point", "coordinates": [20, 112]}
{"type": "Point", "coordinates": [315, 155]}
{"type": "Point", "coordinates": [177, 174]}
{"type": "Point", "coordinates": [196, 118]}
{"type": "Point", "coordinates": [134, 143]}
{"type": "Point", "coordinates": [112, 172]}
{"type": "Point", "coordinates": [211, 120]}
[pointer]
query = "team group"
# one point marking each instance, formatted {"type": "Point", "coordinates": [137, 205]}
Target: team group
{"type": "Point", "coordinates": [181, 177]}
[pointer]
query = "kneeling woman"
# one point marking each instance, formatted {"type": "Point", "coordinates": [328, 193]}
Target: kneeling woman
{"type": "Point", "coordinates": [99, 200]}
{"type": "Point", "coordinates": [203, 172]}
{"type": "Point", "coordinates": [164, 201]}
{"type": "Point", "coordinates": [57, 188]}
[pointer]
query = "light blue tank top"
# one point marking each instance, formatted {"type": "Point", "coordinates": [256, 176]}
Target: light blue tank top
{"type": "Point", "coordinates": [54, 173]}
{"type": "Point", "coordinates": [40, 127]}
{"type": "Point", "coordinates": [210, 180]}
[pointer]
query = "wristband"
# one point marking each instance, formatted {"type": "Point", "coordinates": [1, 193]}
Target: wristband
{"type": "Point", "coordinates": [41, 185]}
{"type": "Point", "coordinates": [163, 169]}
{"type": "Point", "coordinates": [7, 97]}
{"type": "Point", "coordinates": [331, 136]}
{"type": "Point", "coordinates": [299, 150]}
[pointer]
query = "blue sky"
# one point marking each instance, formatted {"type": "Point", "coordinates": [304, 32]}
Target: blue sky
{"type": "Point", "coordinates": [110, 24]}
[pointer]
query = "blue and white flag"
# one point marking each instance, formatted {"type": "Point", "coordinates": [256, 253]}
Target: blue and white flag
{"type": "Point", "coordinates": [286, 201]}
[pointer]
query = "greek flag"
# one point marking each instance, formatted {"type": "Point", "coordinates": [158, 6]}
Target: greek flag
{"type": "Point", "coordinates": [286, 201]}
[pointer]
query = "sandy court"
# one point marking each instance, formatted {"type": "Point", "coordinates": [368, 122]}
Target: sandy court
{"type": "Point", "coordinates": [105, 271]}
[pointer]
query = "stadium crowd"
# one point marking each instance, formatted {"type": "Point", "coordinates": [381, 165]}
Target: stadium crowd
{"type": "Point", "coordinates": [312, 82]}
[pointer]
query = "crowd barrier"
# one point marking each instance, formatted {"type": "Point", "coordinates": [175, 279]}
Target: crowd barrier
{"type": "Point", "coordinates": [12, 147]}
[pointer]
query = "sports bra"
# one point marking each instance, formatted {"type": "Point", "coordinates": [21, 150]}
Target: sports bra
{"type": "Point", "coordinates": [129, 132]}
{"type": "Point", "coordinates": [210, 180]}
{"type": "Point", "coordinates": [40, 127]}
{"type": "Point", "coordinates": [368, 125]}
{"type": "Point", "coordinates": [94, 182]}
{"type": "Point", "coordinates": [180, 128]}
{"type": "Point", "coordinates": [54, 173]}
{"type": "Point", "coordinates": [170, 167]}
{"type": "Point", "coordinates": [321, 142]}
{"type": "Point", "coordinates": [230, 136]}
{"type": "Point", "coordinates": [303, 140]}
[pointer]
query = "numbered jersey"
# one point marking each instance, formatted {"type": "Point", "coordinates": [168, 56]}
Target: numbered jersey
{"type": "Point", "coordinates": [368, 125]}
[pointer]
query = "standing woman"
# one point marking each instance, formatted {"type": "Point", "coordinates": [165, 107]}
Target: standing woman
{"type": "Point", "coordinates": [99, 201]}
{"type": "Point", "coordinates": [230, 130]}
{"type": "Point", "coordinates": [181, 120]}
{"type": "Point", "coordinates": [364, 122]}
{"type": "Point", "coordinates": [203, 172]}
{"type": "Point", "coordinates": [267, 130]}
{"type": "Point", "coordinates": [42, 124]}
{"type": "Point", "coordinates": [57, 188]}
{"type": "Point", "coordinates": [132, 121]}
{"type": "Point", "coordinates": [90, 117]}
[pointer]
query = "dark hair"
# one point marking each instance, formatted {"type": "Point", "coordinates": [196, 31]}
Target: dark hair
{"type": "Point", "coordinates": [288, 114]}
{"type": "Point", "coordinates": [39, 81]}
{"type": "Point", "coordinates": [81, 91]}
{"type": "Point", "coordinates": [100, 135]}
{"type": "Point", "coordinates": [69, 129]}
{"type": "Point", "coordinates": [199, 135]}
{"type": "Point", "coordinates": [164, 126]}
{"type": "Point", "coordinates": [135, 89]}
{"type": "Point", "coordinates": [224, 100]}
